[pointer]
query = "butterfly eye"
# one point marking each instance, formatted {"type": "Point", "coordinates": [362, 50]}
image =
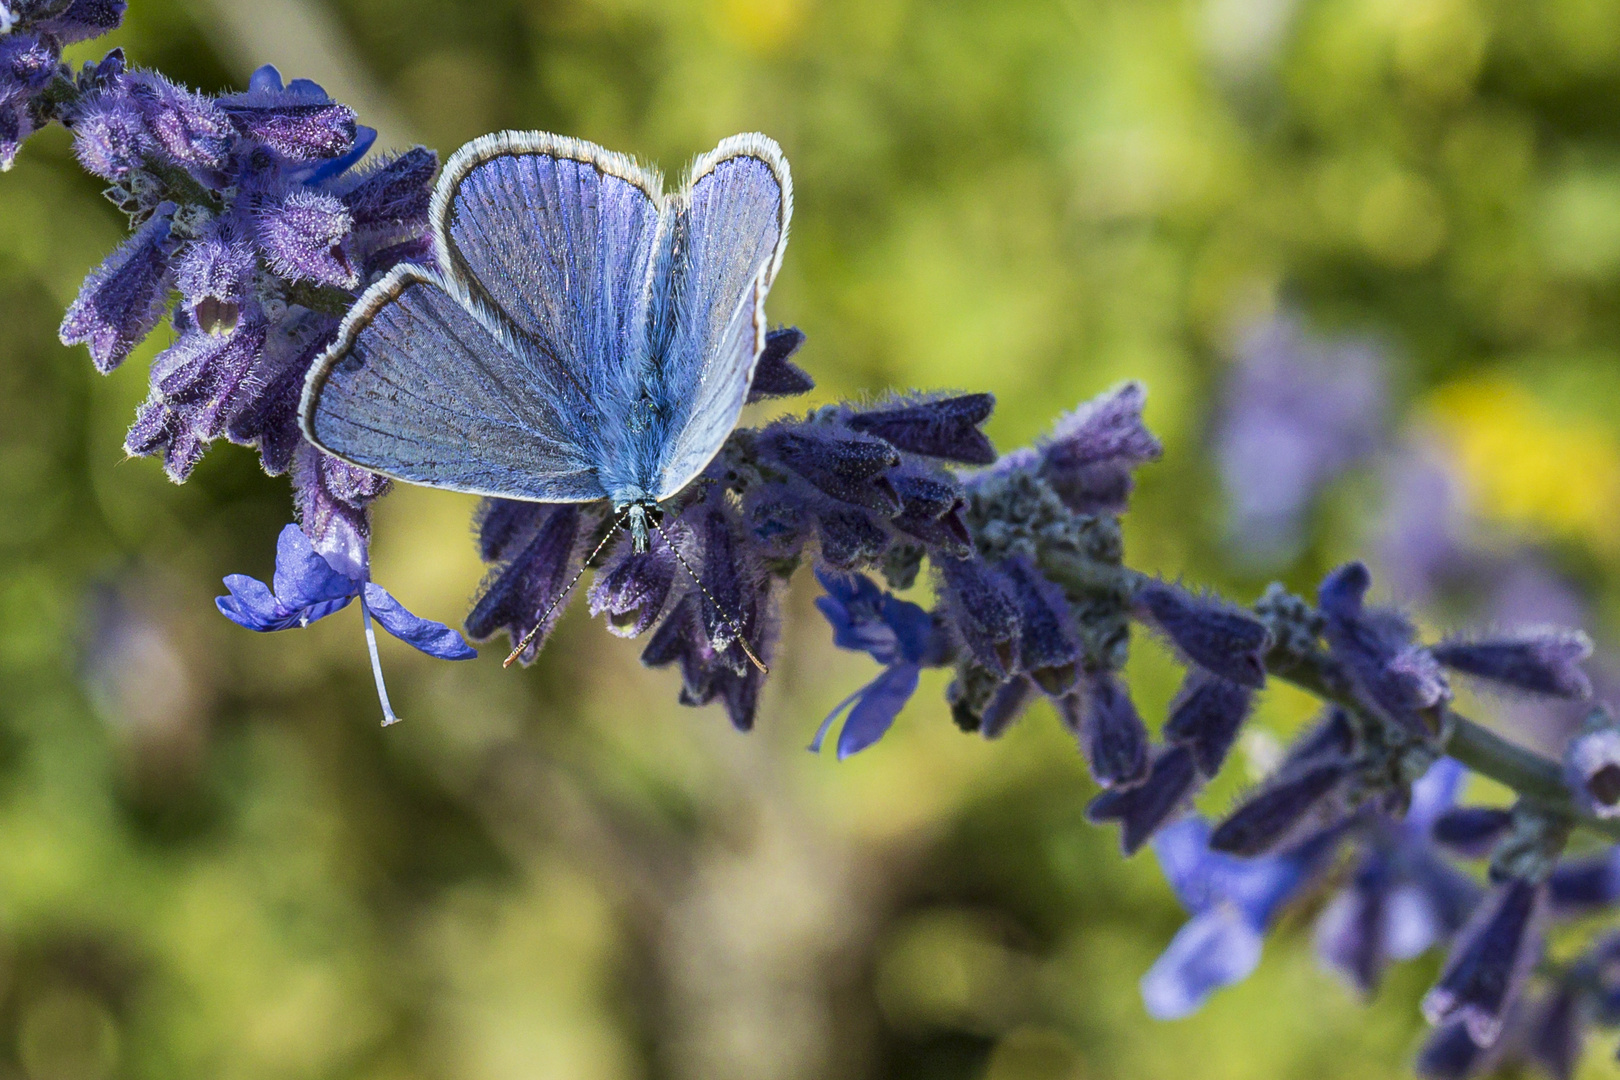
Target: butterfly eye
{"type": "Point", "coordinates": [351, 363]}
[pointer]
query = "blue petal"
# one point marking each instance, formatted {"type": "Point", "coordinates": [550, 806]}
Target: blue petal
{"type": "Point", "coordinates": [913, 628]}
{"type": "Point", "coordinates": [364, 137]}
{"type": "Point", "coordinates": [303, 577]}
{"type": "Point", "coordinates": [1214, 949]}
{"type": "Point", "coordinates": [251, 604]}
{"type": "Point", "coordinates": [880, 703]}
{"type": "Point", "coordinates": [1433, 794]}
{"type": "Point", "coordinates": [433, 638]}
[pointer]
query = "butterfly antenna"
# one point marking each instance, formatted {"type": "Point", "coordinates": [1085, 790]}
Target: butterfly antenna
{"type": "Point", "coordinates": [535, 629]}
{"type": "Point", "coordinates": [736, 628]}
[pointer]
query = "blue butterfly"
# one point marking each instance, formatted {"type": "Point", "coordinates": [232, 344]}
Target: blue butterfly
{"type": "Point", "coordinates": [585, 335]}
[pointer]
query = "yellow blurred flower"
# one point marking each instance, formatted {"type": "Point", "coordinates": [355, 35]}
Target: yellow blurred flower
{"type": "Point", "coordinates": [1529, 466]}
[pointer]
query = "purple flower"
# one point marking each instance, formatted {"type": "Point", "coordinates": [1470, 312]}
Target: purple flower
{"type": "Point", "coordinates": [123, 299]}
{"type": "Point", "coordinates": [1585, 885]}
{"type": "Point", "coordinates": [940, 427]}
{"type": "Point", "coordinates": [1592, 767]}
{"type": "Point", "coordinates": [1490, 961]}
{"type": "Point", "coordinates": [308, 588]}
{"type": "Point", "coordinates": [1006, 705]}
{"type": "Point", "coordinates": [214, 276]}
{"type": "Point", "coordinates": [1143, 809]}
{"type": "Point", "coordinates": [984, 612]}
{"type": "Point", "coordinates": [1218, 637]}
{"type": "Point", "coordinates": [539, 547]}
{"type": "Point", "coordinates": [1545, 660]}
{"type": "Point", "coordinates": [1233, 903]}
{"type": "Point", "coordinates": [1296, 414]}
{"type": "Point", "coordinates": [303, 236]}
{"type": "Point", "coordinates": [1048, 651]}
{"type": "Point", "coordinates": [1472, 831]}
{"type": "Point", "coordinates": [1206, 716]}
{"type": "Point", "coordinates": [897, 634]}
{"type": "Point", "coordinates": [80, 20]}
{"type": "Point", "coordinates": [1450, 1053]}
{"type": "Point", "coordinates": [300, 122]}
{"type": "Point", "coordinates": [1092, 452]}
{"type": "Point", "coordinates": [1390, 673]}
{"type": "Point", "coordinates": [331, 497]}
{"type": "Point", "coordinates": [838, 462]}
{"type": "Point", "coordinates": [1110, 731]}
{"type": "Point", "coordinates": [190, 129]}
{"type": "Point", "coordinates": [1301, 797]}
{"type": "Point", "coordinates": [634, 587]}
{"type": "Point", "coordinates": [1402, 898]}
{"type": "Point", "coordinates": [776, 375]}
{"type": "Point", "coordinates": [110, 135]}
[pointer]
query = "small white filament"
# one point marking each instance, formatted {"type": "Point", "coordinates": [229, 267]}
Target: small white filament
{"type": "Point", "coordinates": [7, 19]}
{"type": "Point", "coordinates": [376, 664]}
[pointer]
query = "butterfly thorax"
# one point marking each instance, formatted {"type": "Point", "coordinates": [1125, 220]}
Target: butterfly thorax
{"type": "Point", "coordinates": [638, 516]}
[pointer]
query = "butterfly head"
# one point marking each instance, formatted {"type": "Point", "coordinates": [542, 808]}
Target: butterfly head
{"type": "Point", "coordinates": [638, 517]}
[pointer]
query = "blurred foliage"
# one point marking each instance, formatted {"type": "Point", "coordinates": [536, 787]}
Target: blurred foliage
{"type": "Point", "coordinates": [213, 863]}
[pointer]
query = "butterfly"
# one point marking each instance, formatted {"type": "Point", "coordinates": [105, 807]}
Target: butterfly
{"type": "Point", "coordinates": [584, 336]}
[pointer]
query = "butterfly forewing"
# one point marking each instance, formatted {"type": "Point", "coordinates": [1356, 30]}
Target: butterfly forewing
{"type": "Point", "coordinates": [418, 388]}
{"type": "Point", "coordinates": [729, 233]}
{"type": "Point", "coordinates": [558, 234]}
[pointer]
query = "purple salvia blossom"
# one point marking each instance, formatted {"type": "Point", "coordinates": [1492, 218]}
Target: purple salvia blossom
{"type": "Point", "coordinates": [939, 427]}
{"type": "Point", "coordinates": [307, 587]}
{"type": "Point", "coordinates": [1048, 651]}
{"type": "Point", "coordinates": [634, 588]}
{"type": "Point", "coordinates": [1233, 902]}
{"type": "Point", "coordinates": [984, 612]}
{"type": "Point", "coordinates": [849, 537]}
{"type": "Point", "coordinates": [1142, 810]}
{"type": "Point", "coordinates": [1206, 717]}
{"type": "Point", "coordinates": [900, 635]}
{"type": "Point", "coordinates": [1297, 413]}
{"type": "Point", "coordinates": [331, 497]}
{"type": "Point", "coordinates": [1216, 636]}
{"type": "Point", "coordinates": [1451, 1053]}
{"type": "Point", "coordinates": [1092, 452]}
{"type": "Point", "coordinates": [1557, 1031]}
{"type": "Point", "coordinates": [1584, 886]}
{"type": "Point", "coordinates": [1472, 831]}
{"type": "Point", "coordinates": [1490, 961]}
{"type": "Point", "coordinates": [840, 463]}
{"type": "Point", "coordinates": [303, 235]}
{"type": "Point", "coordinates": [27, 66]}
{"type": "Point", "coordinates": [1545, 660]}
{"type": "Point", "coordinates": [1390, 673]}
{"type": "Point", "coordinates": [214, 276]}
{"type": "Point", "coordinates": [530, 582]}
{"type": "Point", "coordinates": [111, 137]}
{"type": "Point", "coordinates": [1402, 897]}
{"type": "Point", "coordinates": [394, 194]}
{"type": "Point", "coordinates": [776, 375]}
{"type": "Point", "coordinates": [299, 127]}
{"type": "Point", "coordinates": [1300, 798]}
{"type": "Point", "coordinates": [190, 129]}
{"type": "Point", "coordinates": [123, 298]}
{"type": "Point", "coordinates": [1110, 731]}
{"type": "Point", "coordinates": [1007, 705]}
{"type": "Point", "coordinates": [80, 20]}
{"type": "Point", "coordinates": [1285, 807]}
{"type": "Point", "coordinates": [1592, 766]}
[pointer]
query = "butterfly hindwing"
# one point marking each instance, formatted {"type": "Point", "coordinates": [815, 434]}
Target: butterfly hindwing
{"type": "Point", "coordinates": [729, 230]}
{"type": "Point", "coordinates": [428, 387]}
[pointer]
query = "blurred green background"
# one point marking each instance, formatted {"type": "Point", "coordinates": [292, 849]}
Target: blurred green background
{"type": "Point", "coordinates": [214, 864]}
